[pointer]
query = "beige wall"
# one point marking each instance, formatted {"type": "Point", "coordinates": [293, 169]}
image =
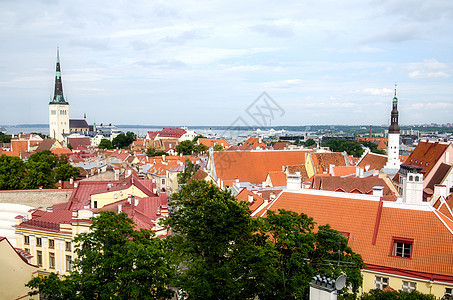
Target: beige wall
{"type": "Point", "coordinates": [114, 196]}
{"type": "Point", "coordinates": [35, 198]}
{"type": "Point", "coordinates": [15, 273]}
{"type": "Point", "coordinates": [424, 286]}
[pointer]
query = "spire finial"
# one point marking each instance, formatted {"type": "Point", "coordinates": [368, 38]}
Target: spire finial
{"type": "Point", "coordinates": [395, 88]}
{"type": "Point", "coordinates": [58, 54]}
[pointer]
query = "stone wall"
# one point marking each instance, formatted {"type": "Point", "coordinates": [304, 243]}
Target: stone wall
{"type": "Point", "coordinates": [36, 198]}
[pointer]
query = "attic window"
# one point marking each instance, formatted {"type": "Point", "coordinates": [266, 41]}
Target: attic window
{"type": "Point", "coordinates": [402, 247]}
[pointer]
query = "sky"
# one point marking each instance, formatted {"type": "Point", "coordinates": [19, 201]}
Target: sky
{"type": "Point", "coordinates": [206, 62]}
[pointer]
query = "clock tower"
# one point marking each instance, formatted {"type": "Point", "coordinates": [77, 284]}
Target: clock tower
{"type": "Point", "coordinates": [393, 147]}
{"type": "Point", "coordinates": [58, 108]}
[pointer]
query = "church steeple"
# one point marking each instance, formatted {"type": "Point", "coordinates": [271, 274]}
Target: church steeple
{"type": "Point", "coordinates": [394, 127]}
{"type": "Point", "coordinates": [58, 97]}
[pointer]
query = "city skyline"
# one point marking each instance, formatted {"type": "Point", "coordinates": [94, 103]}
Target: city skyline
{"type": "Point", "coordinates": [205, 63]}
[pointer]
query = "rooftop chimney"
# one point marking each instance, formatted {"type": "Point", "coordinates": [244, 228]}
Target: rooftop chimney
{"type": "Point", "coordinates": [293, 182]}
{"type": "Point", "coordinates": [378, 191]}
{"type": "Point", "coordinates": [250, 198]}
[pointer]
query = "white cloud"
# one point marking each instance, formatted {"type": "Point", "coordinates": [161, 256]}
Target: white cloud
{"type": "Point", "coordinates": [430, 68]}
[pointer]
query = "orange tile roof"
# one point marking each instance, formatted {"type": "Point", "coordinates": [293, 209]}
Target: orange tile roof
{"type": "Point", "coordinates": [351, 185]}
{"type": "Point", "coordinates": [425, 155]}
{"type": "Point", "coordinates": [343, 170]}
{"type": "Point", "coordinates": [278, 178]}
{"type": "Point", "coordinates": [322, 161]}
{"type": "Point", "coordinates": [298, 168]}
{"type": "Point", "coordinates": [432, 240]}
{"type": "Point", "coordinates": [257, 200]}
{"type": "Point", "coordinates": [212, 142]}
{"type": "Point", "coordinates": [250, 166]}
{"type": "Point", "coordinates": [375, 161]}
{"type": "Point", "coordinates": [382, 145]}
{"type": "Point", "coordinates": [280, 145]}
{"type": "Point", "coordinates": [61, 151]}
{"type": "Point", "coordinates": [252, 144]}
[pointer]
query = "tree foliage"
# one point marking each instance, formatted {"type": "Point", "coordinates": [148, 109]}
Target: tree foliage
{"type": "Point", "coordinates": [215, 247]}
{"type": "Point", "coordinates": [224, 253]}
{"type": "Point", "coordinates": [151, 152]}
{"type": "Point", "coordinates": [124, 140]}
{"type": "Point", "coordinates": [195, 139]}
{"type": "Point", "coordinates": [185, 147]}
{"type": "Point", "coordinates": [42, 169]}
{"type": "Point", "coordinates": [189, 170]}
{"type": "Point", "coordinates": [115, 261]}
{"type": "Point", "coordinates": [12, 173]}
{"type": "Point", "coordinates": [309, 143]}
{"type": "Point", "coordinates": [218, 147]}
{"type": "Point", "coordinates": [5, 138]}
{"type": "Point", "coordinates": [352, 148]}
{"type": "Point", "coordinates": [373, 147]}
{"type": "Point", "coordinates": [105, 144]}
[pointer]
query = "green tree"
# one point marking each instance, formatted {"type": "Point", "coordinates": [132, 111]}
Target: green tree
{"type": "Point", "coordinates": [189, 170]}
{"type": "Point", "coordinates": [309, 143]}
{"type": "Point", "coordinates": [218, 147]}
{"type": "Point", "coordinates": [215, 246]}
{"type": "Point", "coordinates": [304, 253]}
{"type": "Point", "coordinates": [123, 140]}
{"type": "Point", "coordinates": [185, 147]}
{"type": "Point", "coordinates": [70, 147]}
{"type": "Point", "coordinates": [352, 148]}
{"type": "Point", "coordinates": [199, 148]}
{"type": "Point", "coordinates": [114, 262]}
{"type": "Point", "coordinates": [195, 139]}
{"type": "Point", "coordinates": [65, 172]}
{"type": "Point", "coordinates": [5, 138]}
{"type": "Point", "coordinates": [151, 152]}
{"type": "Point", "coordinates": [48, 157]}
{"type": "Point", "coordinates": [12, 173]}
{"type": "Point", "coordinates": [105, 144]}
{"type": "Point", "coordinates": [39, 174]}
{"type": "Point", "coordinates": [373, 147]}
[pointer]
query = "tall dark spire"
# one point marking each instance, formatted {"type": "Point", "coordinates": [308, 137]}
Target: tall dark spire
{"type": "Point", "coordinates": [58, 93]}
{"type": "Point", "coordinates": [394, 127]}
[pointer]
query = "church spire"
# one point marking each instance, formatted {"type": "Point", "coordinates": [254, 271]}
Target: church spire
{"type": "Point", "coordinates": [394, 127]}
{"type": "Point", "coordinates": [58, 97]}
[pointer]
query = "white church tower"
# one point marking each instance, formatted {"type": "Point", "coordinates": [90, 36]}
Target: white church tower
{"type": "Point", "coordinates": [58, 109]}
{"type": "Point", "coordinates": [393, 143]}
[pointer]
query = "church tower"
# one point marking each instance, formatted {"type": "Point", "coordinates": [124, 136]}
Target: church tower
{"type": "Point", "coordinates": [393, 148]}
{"type": "Point", "coordinates": [58, 108]}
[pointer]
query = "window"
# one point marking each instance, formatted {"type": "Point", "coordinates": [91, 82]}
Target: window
{"type": "Point", "coordinates": [408, 286]}
{"type": "Point", "coordinates": [95, 204]}
{"type": "Point", "coordinates": [39, 258]}
{"type": "Point", "coordinates": [38, 242]}
{"type": "Point", "coordinates": [68, 246]}
{"type": "Point", "coordinates": [26, 240]}
{"type": "Point", "coordinates": [402, 248]}
{"type": "Point", "coordinates": [51, 244]}
{"type": "Point", "coordinates": [53, 112]}
{"type": "Point", "coordinates": [163, 180]}
{"type": "Point", "coordinates": [51, 260]}
{"type": "Point", "coordinates": [381, 282]}
{"type": "Point", "coordinates": [68, 263]}
{"type": "Point", "coordinates": [448, 291]}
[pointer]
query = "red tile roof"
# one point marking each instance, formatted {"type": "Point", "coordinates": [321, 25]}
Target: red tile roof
{"type": "Point", "coordinates": [212, 142]}
{"type": "Point", "coordinates": [250, 166]}
{"type": "Point", "coordinates": [425, 156]}
{"type": "Point", "coordinates": [432, 239]}
{"type": "Point", "coordinates": [323, 160]}
{"type": "Point", "coordinates": [256, 202]}
{"type": "Point", "coordinates": [278, 178]}
{"type": "Point", "coordinates": [374, 161]}
{"type": "Point", "coordinates": [252, 144]}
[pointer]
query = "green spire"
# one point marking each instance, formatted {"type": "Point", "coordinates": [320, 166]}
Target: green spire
{"type": "Point", "coordinates": [395, 100]}
{"type": "Point", "coordinates": [58, 97]}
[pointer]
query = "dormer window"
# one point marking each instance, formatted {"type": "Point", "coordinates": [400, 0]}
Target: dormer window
{"type": "Point", "coordinates": [402, 247]}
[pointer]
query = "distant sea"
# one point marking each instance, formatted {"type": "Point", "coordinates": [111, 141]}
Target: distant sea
{"type": "Point", "coordinates": [238, 133]}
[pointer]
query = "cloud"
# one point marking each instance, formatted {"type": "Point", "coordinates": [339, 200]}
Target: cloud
{"type": "Point", "coordinates": [376, 91]}
{"type": "Point", "coordinates": [162, 64]}
{"type": "Point", "coordinates": [396, 34]}
{"type": "Point", "coordinates": [91, 43]}
{"type": "Point", "coordinates": [430, 68]}
{"type": "Point", "coordinates": [271, 30]}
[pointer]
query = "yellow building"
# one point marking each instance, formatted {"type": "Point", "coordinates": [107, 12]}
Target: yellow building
{"type": "Point", "coordinates": [16, 271]}
{"type": "Point", "coordinates": [48, 236]}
